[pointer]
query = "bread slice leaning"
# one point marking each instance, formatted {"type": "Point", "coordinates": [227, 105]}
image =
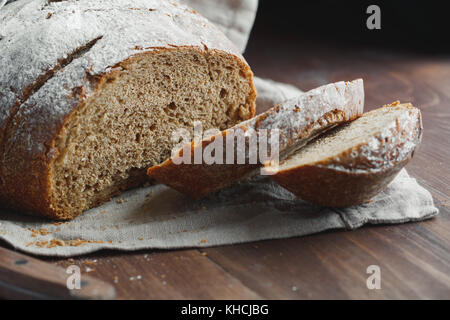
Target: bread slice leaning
{"type": "Point", "coordinates": [297, 120]}
{"type": "Point", "coordinates": [352, 163]}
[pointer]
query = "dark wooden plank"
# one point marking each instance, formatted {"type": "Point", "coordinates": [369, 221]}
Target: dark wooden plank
{"type": "Point", "coordinates": [186, 274]}
{"type": "Point", "coordinates": [23, 277]}
{"type": "Point", "coordinates": [414, 261]}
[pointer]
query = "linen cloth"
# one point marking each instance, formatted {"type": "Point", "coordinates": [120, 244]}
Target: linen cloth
{"type": "Point", "coordinates": [157, 217]}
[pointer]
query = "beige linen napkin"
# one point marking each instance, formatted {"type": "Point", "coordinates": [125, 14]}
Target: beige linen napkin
{"type": "Point", "coordinates": [158, 217]}
{"type": "Point", "coordinates": [234, 17]}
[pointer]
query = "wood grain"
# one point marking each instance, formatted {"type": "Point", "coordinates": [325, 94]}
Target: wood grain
{"type": "Point", "coordinates": [333, 265]}
{"type": "Point", "coordinates": [183, 274]}
{"type": "Point", "coordinates": [23, 277]}
{"type": "Point", "coordinates": [414, 258]}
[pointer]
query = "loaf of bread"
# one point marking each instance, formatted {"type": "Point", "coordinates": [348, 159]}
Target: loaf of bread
{"type": "Point", "coordinates": [353, 162]}
{"type": "Point", "coordinates": [298, 121]}
{"type": "Point", "coordinates": [91, 90]}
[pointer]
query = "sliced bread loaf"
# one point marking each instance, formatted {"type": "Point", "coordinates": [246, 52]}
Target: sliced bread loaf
{"type": "Point", "coordinates": [297, 121]}
{"type": "Point", "coordinates": [353, 162]}
{"type": "Point", "coordinates": [90, 91]}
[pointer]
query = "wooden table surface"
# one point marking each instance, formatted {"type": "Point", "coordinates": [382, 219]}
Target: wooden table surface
{"type": "Point", "coordinates": [414, 258]}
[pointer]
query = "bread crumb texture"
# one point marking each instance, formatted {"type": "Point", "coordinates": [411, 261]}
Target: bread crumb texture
{"type": "Point", "coordinates": [106, 84]}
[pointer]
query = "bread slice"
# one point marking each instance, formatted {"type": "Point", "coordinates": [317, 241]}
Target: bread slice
{"type": "Point", "coordinates": [298, 121]}
{"type": "Point", "coordinates": [91, 90]}
{"type": "Point", "coordinates": [352, 163]}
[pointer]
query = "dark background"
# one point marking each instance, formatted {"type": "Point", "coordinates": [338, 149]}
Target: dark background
{"type": "Point", "coordinates": [405, 25]}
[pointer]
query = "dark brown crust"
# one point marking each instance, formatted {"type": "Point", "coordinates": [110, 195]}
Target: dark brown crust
{"type": "Point", "coordinates": [297, 125]}
{"type": "Point", "coordinates": [320, 184]}
{"type": "Point", "coordinates": [332, 188]}
{"type": "Point", "coordinates": [6, 125]}
{"type": "Point", "coordinates": [298, 120]}
{"type": "Point", "coordinates": [28, 178]}
{"type": "Point", "coordinates": [199, 180]}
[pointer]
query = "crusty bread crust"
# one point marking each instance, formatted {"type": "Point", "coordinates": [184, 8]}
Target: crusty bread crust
{"type": "Point", "coordinates": [299, 120]}
{"type": "Point", "coordinates": [62, 78]}
{"type": "Point", "coordinates": [332, 188]}
{"type": "Point", "coordinates": [359, 173]}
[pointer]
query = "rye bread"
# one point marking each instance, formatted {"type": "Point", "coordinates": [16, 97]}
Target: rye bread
{"type": "Point", "coordinates": [297, 120]}
{"type": "Point", "coordinates": [352, 163]}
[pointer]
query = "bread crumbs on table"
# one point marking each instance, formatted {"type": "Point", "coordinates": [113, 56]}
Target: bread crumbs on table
{"type": "Point", "coordinates": [116, 279]}
{"type": "Point", "coordinates": [119, 201]}
{"type": "Point", "coordinates": [41, 244]}
{"type": "Point", "coordinates": [203, 254]}
{"type": "Point", "coordinates": [203, 241]}
{"type": "Point", "coordinates": [140, 238]}
{"type": "Point", "coordinates": [110, 241]}
{"type": "Point", "coordinates": [90, 262]}
{"type": "Point", "coordinates": [103, 211]}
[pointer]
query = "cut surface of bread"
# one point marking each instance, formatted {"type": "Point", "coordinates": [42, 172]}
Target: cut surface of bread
{"type": "Point", "coordinates": [353, 162]}
{"type": "Point", "coordinates": [297, 120]}
{"type": "Point", "coordinates": [84, 112]}
{"type": "Point", "coordinates": [107, 145]}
